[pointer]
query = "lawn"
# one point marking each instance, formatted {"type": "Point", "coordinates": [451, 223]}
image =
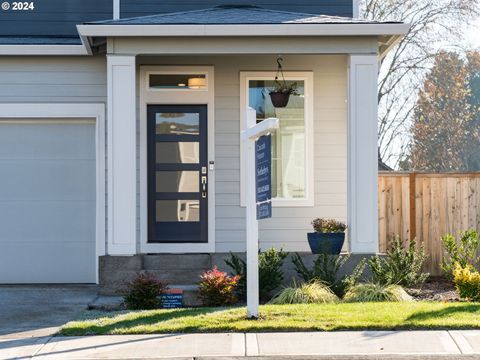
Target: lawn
{"type": "Point", "coordinates": [324, 317]}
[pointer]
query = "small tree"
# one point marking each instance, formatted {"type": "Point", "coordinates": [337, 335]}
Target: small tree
{"type": "Point", "coordinates": [446, 119]}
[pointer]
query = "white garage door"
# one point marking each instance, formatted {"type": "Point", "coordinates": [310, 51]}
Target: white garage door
{"type": "Point", "coordinates": [47, 201]}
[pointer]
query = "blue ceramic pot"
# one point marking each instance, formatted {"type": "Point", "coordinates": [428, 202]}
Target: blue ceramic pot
{"type": "Point", "coordinates": [326, 243]}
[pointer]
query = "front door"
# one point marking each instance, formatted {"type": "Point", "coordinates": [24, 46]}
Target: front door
{"type": "Point", "coordinates": [177, 174]}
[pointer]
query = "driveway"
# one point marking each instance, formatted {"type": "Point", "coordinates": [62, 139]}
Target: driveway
{"type": "Point", "coordinates": [34, 311]}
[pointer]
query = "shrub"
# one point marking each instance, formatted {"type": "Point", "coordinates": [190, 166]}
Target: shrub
{"type": "Point", "coordinates": [307, 293]}
{"type": "Point", "coordinates": [325, 269]}
{"type": "Point", "coordinates": [376, 292]}
{"type": "Point", "coordinates": [217, 288]}
{"type": "Point", "coordinates": [467, 282]}
{"type": "Point", "coordinates": [463, 252]}
{"type": "Point", "coordinates": [270, 272]}
{"type": "Point", "coordinates": [321, 225]}
{"type": "Point", "coordinates": [401, 266]}
{"type": "Point", "coordinates": [143, 292]}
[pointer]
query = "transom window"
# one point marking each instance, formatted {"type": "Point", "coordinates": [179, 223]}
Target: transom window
{"type": "Point", "coordinates": [180, 81]}
{"type": "Point", "coordinates": [292, 152]}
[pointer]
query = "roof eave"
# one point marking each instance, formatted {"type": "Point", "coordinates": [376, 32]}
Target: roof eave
{"type": "Point", "coordinates": [150, 30]}
{"type": "Point", "coordinates": [42, 49]}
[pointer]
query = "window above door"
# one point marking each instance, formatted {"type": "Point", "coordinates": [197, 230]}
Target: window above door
{"type": "Point", "coordinates": [177, 81]}
{"type": "Point", "coordinates": [292, 143]}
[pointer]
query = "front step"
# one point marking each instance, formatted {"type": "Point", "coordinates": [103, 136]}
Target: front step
{"type": "Point", "coordinates": [178, 269]}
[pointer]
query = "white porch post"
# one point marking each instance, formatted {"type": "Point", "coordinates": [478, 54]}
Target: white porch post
{"type": "Point", "coordinates": [362, 153]}
{"type": "Point", "coordinates": [122, 169]}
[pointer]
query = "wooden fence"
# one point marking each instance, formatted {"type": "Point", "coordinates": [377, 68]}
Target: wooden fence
{"type": "Point", "coordinates": [426, 206]}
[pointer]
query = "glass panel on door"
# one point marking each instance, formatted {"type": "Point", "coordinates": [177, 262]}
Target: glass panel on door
{"type": "Point", "coordinates": [177, 173]}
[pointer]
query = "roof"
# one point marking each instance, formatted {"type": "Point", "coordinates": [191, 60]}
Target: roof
{"type": "Point", "coordinates": [39, 40]}
{"type": "Point", "coordinates": [231, 15]}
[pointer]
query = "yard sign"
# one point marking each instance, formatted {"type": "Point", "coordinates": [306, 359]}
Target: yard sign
{"type": "Point", "coordinates": [263, 176]}
{"type": "Point", "coordinates": [257, 190]}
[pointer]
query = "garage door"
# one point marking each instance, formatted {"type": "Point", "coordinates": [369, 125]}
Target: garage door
{"type": "Point", "coordinates": [47, 201]}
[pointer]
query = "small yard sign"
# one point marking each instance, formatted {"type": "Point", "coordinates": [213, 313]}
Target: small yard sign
{"type": "Point", "coordinates": [263, 176]}
{"type": "Point", "coordinates": [172, 299]}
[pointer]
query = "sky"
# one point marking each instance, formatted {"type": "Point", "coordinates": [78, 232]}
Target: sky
{"type": "Point", "coordinates": [473, 34]}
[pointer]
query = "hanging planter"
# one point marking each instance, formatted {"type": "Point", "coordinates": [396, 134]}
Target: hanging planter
{"type": "Point", "coordinates": [280, 94]}
{"type": "Point", "coordinates": [279, 99]}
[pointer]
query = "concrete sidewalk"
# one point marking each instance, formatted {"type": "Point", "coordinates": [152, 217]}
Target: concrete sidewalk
{"type": "Point", "coordinates": [313, 345]}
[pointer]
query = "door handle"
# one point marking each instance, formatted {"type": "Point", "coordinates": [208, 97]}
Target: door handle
{"type": "Point", "coordinates": [204, 187]}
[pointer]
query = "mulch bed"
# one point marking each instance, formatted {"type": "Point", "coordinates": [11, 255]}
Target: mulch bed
{"type": "Point", "coordinates": [435, 289]}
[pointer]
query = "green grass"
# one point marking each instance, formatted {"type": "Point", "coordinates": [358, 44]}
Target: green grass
{"type": "Point", "coordinates": [305, 317]}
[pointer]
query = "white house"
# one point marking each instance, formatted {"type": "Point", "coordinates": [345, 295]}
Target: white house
{"type": "Point", "coordinates": [124, 139]}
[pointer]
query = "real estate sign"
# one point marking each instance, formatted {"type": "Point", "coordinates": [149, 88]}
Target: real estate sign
{"type": "Point", "coordinates": [263, 176]}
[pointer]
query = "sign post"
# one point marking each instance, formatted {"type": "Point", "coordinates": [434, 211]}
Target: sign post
{"type": "Point", "coordinates": [252, 163]}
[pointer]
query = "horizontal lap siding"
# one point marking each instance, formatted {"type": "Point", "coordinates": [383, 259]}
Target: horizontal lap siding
{"type": "Point", "coordinates": [289, 225]}
{"type": "Point", "coordinates": [131, 8]}
{"type": "Point", "coordinates": [53, 80]}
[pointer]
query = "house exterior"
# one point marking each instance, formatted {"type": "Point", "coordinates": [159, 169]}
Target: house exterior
{"type": "Point", "coordinates": [120, 128]}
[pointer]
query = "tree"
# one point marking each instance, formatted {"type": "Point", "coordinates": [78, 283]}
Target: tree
{"type": "Point", "coordinates": [433, 24]}
{"type": "Point", "coordinates": [445, 130]}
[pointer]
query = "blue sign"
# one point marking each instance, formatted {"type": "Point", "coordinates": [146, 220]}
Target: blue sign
{"type": "Point", "coordinates": [263, 176]}
{"type": "Point", "coordinates": [264, 210]}
{"type": "Point", "coordinates": [172, 299]}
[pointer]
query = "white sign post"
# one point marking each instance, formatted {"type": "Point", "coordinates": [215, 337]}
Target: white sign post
{"type": "Point", "coordinates": [253, 132]}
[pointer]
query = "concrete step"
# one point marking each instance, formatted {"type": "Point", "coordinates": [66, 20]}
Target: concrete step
{"type": "Point", "coordinates": [177, 262]}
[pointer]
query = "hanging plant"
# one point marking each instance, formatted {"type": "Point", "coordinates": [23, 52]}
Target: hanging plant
{"type": "Point", "coordinates": [280, 94]}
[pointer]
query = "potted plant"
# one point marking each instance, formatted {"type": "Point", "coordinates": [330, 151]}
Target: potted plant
{"type": "Point", "coordinates": [280, 94]}
{"type": "Point", "coordinates": [328, 237]}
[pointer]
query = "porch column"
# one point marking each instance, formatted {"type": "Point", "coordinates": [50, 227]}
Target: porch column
{"type": "Point", "coordinates": [362, 153]}
{"type": "Point", "coordinates": [122, 169]}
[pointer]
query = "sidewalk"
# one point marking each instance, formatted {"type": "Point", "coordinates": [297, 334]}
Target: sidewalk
{"type": "Point", "coordinates": [313, 345]}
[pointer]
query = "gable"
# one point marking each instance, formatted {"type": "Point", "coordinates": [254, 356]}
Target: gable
{"type": "Point", "coordinates": [134, 8]}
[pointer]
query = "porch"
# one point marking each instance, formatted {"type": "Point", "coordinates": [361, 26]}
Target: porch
{"type": "Point", "coordinates": [337, 65]}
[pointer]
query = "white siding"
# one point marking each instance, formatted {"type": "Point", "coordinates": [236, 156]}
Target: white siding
{"type": "Point", "coordinates": [289, 226]}
{"type": "Point", "coordinates": [53, 79]}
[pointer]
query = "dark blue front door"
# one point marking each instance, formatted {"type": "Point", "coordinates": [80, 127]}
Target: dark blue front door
{"type": "Point", "coordinates": [177, 174]}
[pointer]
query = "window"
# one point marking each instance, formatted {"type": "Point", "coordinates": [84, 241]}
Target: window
{"type": "Point", "coordinates": [292, 147]}
{"type": "Point", "coordinates": [180, 81]}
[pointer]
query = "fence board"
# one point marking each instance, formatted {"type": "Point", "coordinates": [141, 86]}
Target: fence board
{"type": "Point", "coordinates": [427, 206]}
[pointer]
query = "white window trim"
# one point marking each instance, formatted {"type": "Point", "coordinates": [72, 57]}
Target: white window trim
{"type": "Point", "coordinates": [75, 111]}
{"type": "Point", "coordinates": [188, 71]}
{"type": "Point", "coordinates": [307, 77]}
{"type": "Point", "coordinates": [178, 96]}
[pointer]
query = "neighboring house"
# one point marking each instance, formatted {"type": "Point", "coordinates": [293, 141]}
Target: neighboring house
{"type": "Point", "coordinates": [121, 136]}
